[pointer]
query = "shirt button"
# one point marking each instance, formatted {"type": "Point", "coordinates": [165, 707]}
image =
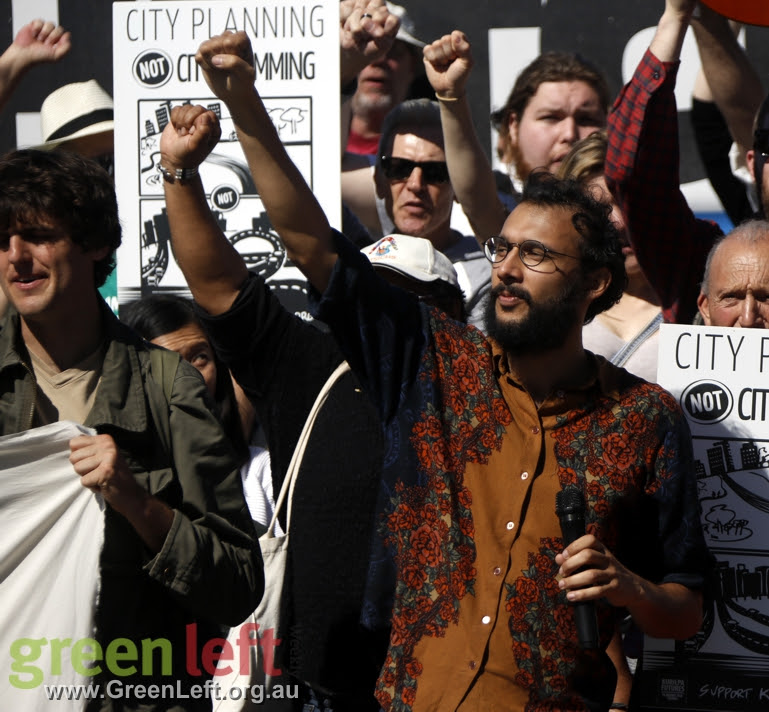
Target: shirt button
{"type": "Point", "coordinates": [497, 571]}
{"type": "Point", "coordinates": [656, 75]}
{"type": "Point", "coordinates": [535, 430]}
{"type": "Point", "coordinates": [471, 664]}
{"type": "Point", "coordinates": [560, 394]}
{"type": "Point", "coordinates": [524, 475]}
{"type": "Point", "coordinates": [486, 620]}
{"type": "Point", "coordinates": [510, 525]}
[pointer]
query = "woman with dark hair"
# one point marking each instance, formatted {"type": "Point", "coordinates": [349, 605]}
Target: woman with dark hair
{"type": "Point", "coordinates": [170, 321]}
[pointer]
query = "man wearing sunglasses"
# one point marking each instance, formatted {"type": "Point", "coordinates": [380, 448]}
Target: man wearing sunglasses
{"type": "Point", "coordinates": [412, 181]}
{"type": "Point", "coordinates": [483, 433]}
{"type": "Point", "coordinates": [671, 245]}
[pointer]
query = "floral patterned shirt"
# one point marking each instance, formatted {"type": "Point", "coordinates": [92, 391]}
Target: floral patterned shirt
{"type": "Point", "coordinates": [472, 470]}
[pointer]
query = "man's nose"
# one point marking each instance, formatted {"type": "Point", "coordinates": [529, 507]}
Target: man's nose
{"type": "Point", "coordinates": [569, 130]}
{"type": "Point", "coordinates": [750, 313]}
{"type": "Point", "coordinates": [17, 248]}
{"type": "Point", "coordinates": [511, 268]}
{"type": "Point", "coordinates": [416, 180]}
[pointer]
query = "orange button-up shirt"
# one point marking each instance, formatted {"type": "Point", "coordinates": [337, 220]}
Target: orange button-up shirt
{"type": "Point", "coordinates": [480, 622]}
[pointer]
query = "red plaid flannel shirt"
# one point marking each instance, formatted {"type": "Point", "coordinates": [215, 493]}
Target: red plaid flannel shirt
{"type": "Point", "coordinates": [642, 173]}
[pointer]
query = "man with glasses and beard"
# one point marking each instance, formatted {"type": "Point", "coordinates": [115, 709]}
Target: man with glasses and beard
{"type": "Point", "coordinates": [489, 430]}
{"type": "Point", "coordinates": [548, 322]}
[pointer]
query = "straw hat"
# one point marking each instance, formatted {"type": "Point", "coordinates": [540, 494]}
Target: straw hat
{"type": "Point", "coordinates": [75, 110]}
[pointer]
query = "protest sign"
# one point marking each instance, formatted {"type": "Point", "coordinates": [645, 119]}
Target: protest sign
{"type": "Point", "coordinates": [719, 377]}
{"type": "Point", "coordinates": [296, 55]}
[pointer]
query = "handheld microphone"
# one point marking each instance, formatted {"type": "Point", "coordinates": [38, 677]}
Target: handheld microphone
{"type": "Point", "coordinates": [570, 509]}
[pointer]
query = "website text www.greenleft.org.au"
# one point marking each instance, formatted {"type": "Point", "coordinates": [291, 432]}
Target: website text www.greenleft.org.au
{"type": "Point", "coordinates": [37, 660]}
{"type": "Point", "coordinates": [210, 690]}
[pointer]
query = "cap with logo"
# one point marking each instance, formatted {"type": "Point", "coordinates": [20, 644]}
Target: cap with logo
{"type": "Point", "coordinates": [413, 257]}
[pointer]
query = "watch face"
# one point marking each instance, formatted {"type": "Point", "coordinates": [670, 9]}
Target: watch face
{"type": "Point", "coordinates": [749, 11]}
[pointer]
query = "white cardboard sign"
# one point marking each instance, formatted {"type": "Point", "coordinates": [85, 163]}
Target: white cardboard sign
{"type": "Point", "coordinates": [720, 376]}
{"type": "Point", "coordinates": [296, 53]}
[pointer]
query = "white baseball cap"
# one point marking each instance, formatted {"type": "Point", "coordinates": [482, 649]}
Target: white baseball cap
{"type": "Point", "coordinates": [413, 257]}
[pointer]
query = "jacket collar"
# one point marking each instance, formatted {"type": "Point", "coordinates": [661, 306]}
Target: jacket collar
{"type": "Point", "coordinates": [11, 346]}
{"type": "Point", "coordinates": [120, 400]}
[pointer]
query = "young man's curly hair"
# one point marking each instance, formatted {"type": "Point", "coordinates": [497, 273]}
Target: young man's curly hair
{"type": "Point", "coordinates": [75, 192]}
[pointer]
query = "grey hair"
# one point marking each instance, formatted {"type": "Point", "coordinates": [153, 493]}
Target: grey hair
{"type": "Point", "coordinates": [421, 113]}
{"type": "Point", "coordinates": [750, 232]}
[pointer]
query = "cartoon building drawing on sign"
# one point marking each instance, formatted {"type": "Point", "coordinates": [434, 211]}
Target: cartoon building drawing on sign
{"type": "Point", "coordinates": [231, 194]}
{"type": "Point", "coordinates": [733, 488]}
{"type": "Point", "coordinates": [716, 373]}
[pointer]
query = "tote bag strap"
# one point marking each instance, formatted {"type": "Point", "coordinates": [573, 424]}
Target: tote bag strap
{"type": "Point", "coordinates": [287, 489]}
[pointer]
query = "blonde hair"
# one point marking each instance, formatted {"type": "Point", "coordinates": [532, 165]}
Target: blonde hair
{"type": "Point", "coordinates": [585, 159]}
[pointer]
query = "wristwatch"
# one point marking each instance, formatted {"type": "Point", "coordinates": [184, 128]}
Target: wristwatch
{"type": "Point", "coordinates": [179, 174]}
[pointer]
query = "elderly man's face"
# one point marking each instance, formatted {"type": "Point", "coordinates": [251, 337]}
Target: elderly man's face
{"type": "Point", "coordinates": [738, 290]}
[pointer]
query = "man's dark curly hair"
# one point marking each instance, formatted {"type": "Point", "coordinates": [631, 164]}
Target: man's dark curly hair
{"type": "Point", "coordinates": [74, 192]}
{"type": "Point", "coordinates": [600, 246]}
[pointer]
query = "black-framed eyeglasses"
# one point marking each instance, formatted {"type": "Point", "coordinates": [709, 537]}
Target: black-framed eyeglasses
{"type": "Point", "coordinates": [396, 169]}
{"type": "Point", "coordinates": [761, 141]}
{"type": "Point", "coordinates": [531, 252]}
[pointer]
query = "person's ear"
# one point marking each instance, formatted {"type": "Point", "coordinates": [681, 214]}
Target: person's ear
{"type": "Point", "coordinates": [598, 282]}
{"type": "Point", "coordinates": [750, 160]}
{"type": "Point", "coordinates": [99, 253]}
{"type": "Point", "coordinates": [512, 128]}
{"type": "Point", "coordinates": [704, 306]}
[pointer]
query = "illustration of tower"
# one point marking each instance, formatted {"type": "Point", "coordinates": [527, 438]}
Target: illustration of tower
{"type": "Point", "coordinates": [749, 455]}
{"type": "Point", "coordinates": [727, 579]}
{"type": "Point", "coordinates": [750, 582]}
{"type": "Point", "coordinates": [716, 461]}
{"type": "Point", "coordinates": [699, 470]}
{"type": "Point", "coordinates": [763, 572]}
{"type": "Point", "coordinates": [725, 446]}
{"type": "Point", "coordinates": [163, 116]}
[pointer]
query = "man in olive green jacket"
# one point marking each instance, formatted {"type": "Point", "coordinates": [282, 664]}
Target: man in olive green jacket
{"type": "Point", "coordinates": [179, 561]}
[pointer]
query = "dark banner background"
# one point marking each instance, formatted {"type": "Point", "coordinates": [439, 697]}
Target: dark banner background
{"type": "Point", "coordinates": [598, 29]}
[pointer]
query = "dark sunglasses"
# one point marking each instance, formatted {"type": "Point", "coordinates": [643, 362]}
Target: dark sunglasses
{"type": "Point", "coordinates": [402, 168]}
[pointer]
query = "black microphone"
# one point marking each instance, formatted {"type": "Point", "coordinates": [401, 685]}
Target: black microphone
{"type": "Point", "coordinates": [570, 510]}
